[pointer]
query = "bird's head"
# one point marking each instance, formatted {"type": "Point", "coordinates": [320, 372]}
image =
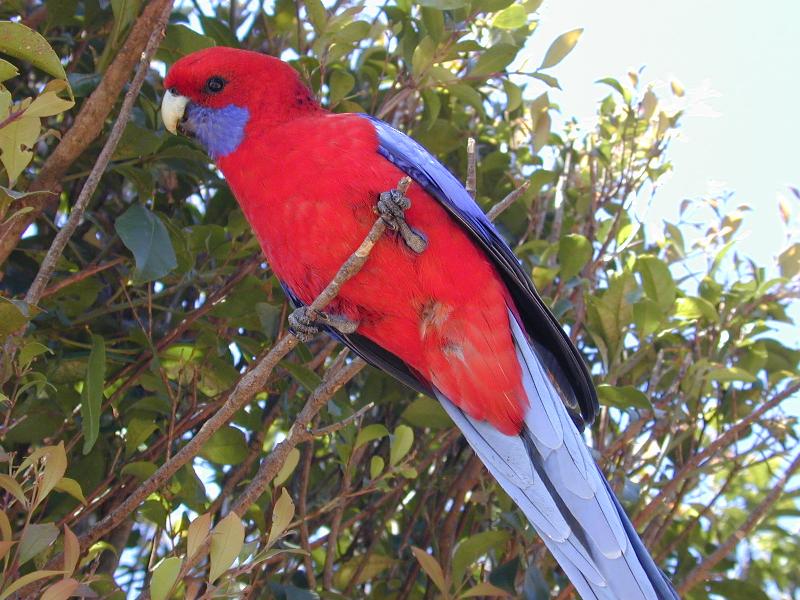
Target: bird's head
{"type": "Point", "coordinates": [216, 94]}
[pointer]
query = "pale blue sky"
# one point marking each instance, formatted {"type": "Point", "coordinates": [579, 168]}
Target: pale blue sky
{"type": "Point", "coordinates": [740, 65]}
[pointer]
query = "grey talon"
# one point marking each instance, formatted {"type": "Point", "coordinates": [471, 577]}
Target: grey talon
{"type": "Point", "coordinates": [301, 325]}
{"type": "Point", "coordinates": [391, 207]}
{"type": "Point", "coordinates": [338, 322]}
{"type": "Point", "coordinates": [305, 327]}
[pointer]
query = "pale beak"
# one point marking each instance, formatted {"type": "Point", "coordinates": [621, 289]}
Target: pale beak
{"type": "Point", "coordinates": [172, 109]}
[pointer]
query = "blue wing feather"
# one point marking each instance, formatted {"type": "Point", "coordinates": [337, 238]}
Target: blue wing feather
{"type": "Point", "coordinates": [550, 340]}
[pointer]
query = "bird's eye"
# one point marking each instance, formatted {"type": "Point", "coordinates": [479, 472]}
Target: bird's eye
{"type": "Point", "coordinates": [215, 85]}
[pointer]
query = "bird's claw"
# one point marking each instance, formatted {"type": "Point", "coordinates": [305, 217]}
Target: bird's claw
{"type": "Point", "coordinates": [392, 206]}
{"type": "Point", "coordinates": [305, 324]}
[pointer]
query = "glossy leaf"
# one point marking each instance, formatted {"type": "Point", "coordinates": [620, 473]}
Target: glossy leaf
{"type": "Point", "coordinates": [560, 47]}
{"type": "Point", "coordinates": [92, 396]}
{"type": "Point", "coordinates": [226, 543]}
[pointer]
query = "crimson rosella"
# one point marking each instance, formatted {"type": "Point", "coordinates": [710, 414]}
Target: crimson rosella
{"type": "Point", "coordinates": [446, 308]}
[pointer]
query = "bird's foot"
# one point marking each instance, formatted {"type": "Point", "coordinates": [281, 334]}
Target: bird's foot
{"type": "Point", "coordinates": [392, 206]}
{"type": "Point", "coordinates": [304, 324]}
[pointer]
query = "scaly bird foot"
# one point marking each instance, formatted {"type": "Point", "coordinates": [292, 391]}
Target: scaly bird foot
{"type": "Point", "coordinates": [392, 207]}
{"type": "Point", "coordinates": [304, 326]}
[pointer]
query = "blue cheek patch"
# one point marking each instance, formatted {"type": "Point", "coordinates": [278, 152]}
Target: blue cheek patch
{"type": "Point", "coordinates": [219, 130]}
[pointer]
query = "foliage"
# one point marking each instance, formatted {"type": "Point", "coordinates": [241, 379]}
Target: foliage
{"type": "Point", "coordinates": [161, 301]}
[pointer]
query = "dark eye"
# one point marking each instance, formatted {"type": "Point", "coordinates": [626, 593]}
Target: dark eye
{"type": "Point", "coordinates": [215, 84]}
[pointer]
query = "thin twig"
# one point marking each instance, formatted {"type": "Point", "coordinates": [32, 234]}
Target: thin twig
{"type": "Point", "coordinates": [80, 276]}
{"type": "Point", "coordinates": [472, 170]}
{"type": "Point", "coordinates": [512, 197]}
{"type": "Point", "coordinates": [344, 422]}
{"type": "Point", "coordinates": [76, 214]}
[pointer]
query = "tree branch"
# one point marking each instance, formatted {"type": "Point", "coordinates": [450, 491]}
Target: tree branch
{"type": "Point", "coordinates": [248, 386]}
{"type": "Point", "coordinates": [702, 571]}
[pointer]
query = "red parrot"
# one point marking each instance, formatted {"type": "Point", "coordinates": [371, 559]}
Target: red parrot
{"type": "Point", "coordinates": [445, 307]}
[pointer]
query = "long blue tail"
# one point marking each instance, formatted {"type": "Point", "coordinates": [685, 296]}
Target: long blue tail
{"type": "Point", "coordinates": [551, 476]}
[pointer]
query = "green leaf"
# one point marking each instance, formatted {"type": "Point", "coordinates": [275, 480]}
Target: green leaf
{"type": "Point", "coordinates": [12, 486]}
{"type": "Point", "coordinates": [431, 566]}
{"type": "Point", "coordinates": [30, 351]}
{"type": "Point", "coordinates": [369, 433]}
{"type": "Point", "coordinates": [7, 70]}
{"type": "Point", "coordinates": [725, 374]}
{"type": "Point", "coordinates": [164, 577]}
{"type": "Point", "coordinates": [657, 281]}
{"type": "Point", "coordinates": [36, 537]}
{"type": "Point", "coordinates": [11, 318]}
{"type": "Point", "coordinates": [180, 41]}
{"type": "Point", "coordinates": [613, 83]}
{"type": "Point", "coordinates": [694, 308]}
{"type": "Point", "coordinates": [137, 142]}
{"type": "Point", "coordinates": [574, 253]}
{"type": "Point", "coordinates": [341, 82]}
{"type": "Point", "coordinates": [27, 579]}
{"type": "Point", "coordinates": [434, 23]}
{"type": "Point", "coordinates": [55, 465]}
{"type": "Point", "coordinates": [560, 47]}
{"type": "Point", "coordinates": [226, 447]}
{"type": "Point", "coordinates": [227, 539]}
{"type": "Point", "coordinates": [92, 395]}
{"type": "Point", "coordinates": [472, 548]}
{"type": "Point", "coordinates": [623, 397]}
{"type": "Point", "coordinates": [289, 465]}
{"type": "Point", "coordinates": [513, 94]}
{"type": "Point", "coordinates": [427, 412]}
{"type": "Point", "coordinates": [197, 534]}
{"type": "Point", "coordinates": [71, 487]}
{"type": "Point", "coordinates": [610, 313]}
{"type": "Point", "coordinates": [147, 238]}
{"type": "Point", "coordinates": [16, 144]}
{"type": "Point", "coordinates": [422, 58]}
{"type": "Point", "coordinates": [513, 17]}
{"type": "Point", "coordinates": [648, 316]}
{"type": "Point", "coordinates": [541, 133]}
{"type": "Point", "coordinates": [141, 469]}
{"type": "Point", "coordinates": [547, 79]}
{"type": "Point", "coordinates": [402, 440]}
{"type": "Point", "coordinates": [24, 43]}
{"type": "Point", "coordinates": [376, 466]}
{"type": "Point", "coordinates": [494, 60]}
{"type": "Point", "coordinates": [138, 430]}
{"type": "Point", "coordinates": [281, 516]}
{"type": "Point", "coordinates": [789, 261]}
{"type": "Point", "coordinates": [220, 32]}
{"type": "Point", "coordinates": [48, 104]}
{"type": "Point", "coordinates": [317, 14]}
{"type": "Point", "coordinates": [308, 378]}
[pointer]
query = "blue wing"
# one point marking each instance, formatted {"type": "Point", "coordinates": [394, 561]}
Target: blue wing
{"type": "Point", "coordinates": [550, 340]}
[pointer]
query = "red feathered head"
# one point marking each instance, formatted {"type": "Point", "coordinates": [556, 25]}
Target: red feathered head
{"type": "Point", "coordinates": [217, 93]}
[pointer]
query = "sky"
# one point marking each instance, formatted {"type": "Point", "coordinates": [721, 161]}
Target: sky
{"type": "Point", "coordinates": [739, 63]}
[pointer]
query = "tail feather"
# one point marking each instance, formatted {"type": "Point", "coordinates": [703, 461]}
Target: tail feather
{"type": "Point", "coordinates": [551, 476]}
